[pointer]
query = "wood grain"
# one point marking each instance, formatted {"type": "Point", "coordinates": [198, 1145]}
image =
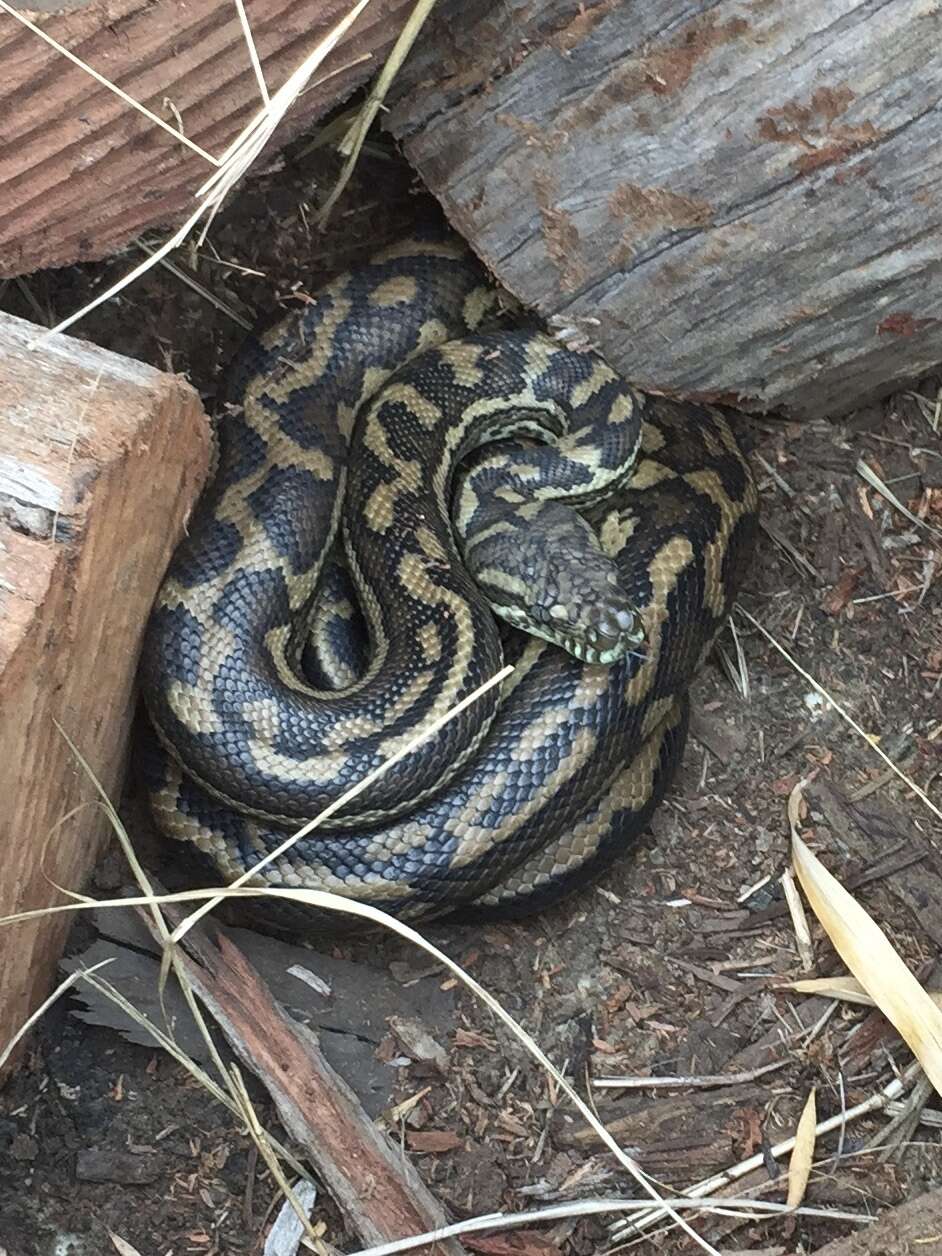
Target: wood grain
{"type": "Point", "coordinates": [376, 1186]}
{"type": "Point", "coordinates": [743, 194]}
{"type": "Point", "coordinates": [82, 173]}
{"type": "Point", "coordinates": [101, 459]}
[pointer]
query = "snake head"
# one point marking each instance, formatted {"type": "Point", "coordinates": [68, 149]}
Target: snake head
{"type": "Point", "coordinates": [542, 569]}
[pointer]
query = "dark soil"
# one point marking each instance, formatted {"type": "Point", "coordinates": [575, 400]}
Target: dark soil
{"type": "Point", "coordinates": [666, 968]}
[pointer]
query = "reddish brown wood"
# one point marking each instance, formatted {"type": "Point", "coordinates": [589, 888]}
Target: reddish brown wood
{"type": "Point", "coordinates": [82, 173]}
{"type": "Point", "coordinates": [375, 1185]}
{"type": "Point", "coordinates": [101, 459]}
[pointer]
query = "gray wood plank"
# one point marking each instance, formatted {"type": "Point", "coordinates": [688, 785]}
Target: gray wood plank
{"type": "Point", "coordinates": [745, 195]}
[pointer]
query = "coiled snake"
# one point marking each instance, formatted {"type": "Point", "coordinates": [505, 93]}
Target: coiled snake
{"type": "Point", "coordinates": [452, 472]}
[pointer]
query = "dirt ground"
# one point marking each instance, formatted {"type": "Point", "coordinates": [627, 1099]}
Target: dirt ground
{"type": "Point", "coordinates": [670, 967]}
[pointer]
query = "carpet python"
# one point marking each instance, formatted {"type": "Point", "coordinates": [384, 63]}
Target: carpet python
{"type": "Point", "coordinates": [405, 497]}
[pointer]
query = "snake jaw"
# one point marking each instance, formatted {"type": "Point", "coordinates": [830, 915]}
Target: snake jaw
{"type": "Point", "coordinates": [544, 572]}
{"type": "Point", "coordinates": [603, 632]}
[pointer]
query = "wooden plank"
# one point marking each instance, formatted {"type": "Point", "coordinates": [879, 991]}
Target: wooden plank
{"type": "Point", "coordinates": [743, 194]}
{"type": "Point", "coordinates": [82, 173]}
{"type": "Point", "coordinates": [375, 1185]}
{"type": "Point", "coordinates": [101, 459]}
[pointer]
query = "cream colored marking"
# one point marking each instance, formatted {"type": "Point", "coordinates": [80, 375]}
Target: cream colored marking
{"type": "Point", "coordinates": [474, 839]}
{"type": "Point", "coordinates": [622, 409]}
{"type": "Point", "coordinates": [414, 577]}
{"type": "Point", "coordinates": [501, 528]}
{"type": "Point", "coordinates": [663, 572]}
{"type": "Point", "coordinates": [430, 545]}
{"type": "Point", "coordinates": [277, 641]}
{"type": "Point", "coordinates": [656, 712]}
{"type": "Point", "coordinates": [579, 844]}
{"type": "Point", "coordinates": [422, 248]}
{"type": "Point", "coordinates": [618, 527]}
{"type": "Point", "coordinates": [358, 726]}
{"type": "Point", "coordinates": [652, 439]}
{"type": "Point", "coordinates": [398, 290]}
{"type": "Point", "coordinates": [478, 304]}
{"type": "Point", "coordinates": [294, 374]}
{"type": "Point", "coordinates": [403, 838]}
{"type": "Point", "coordinates": [713, 441]}
{"type": "Point", "coordinates": [379, 509]}
{"type": "Point", "coordinates": [192, 703]}
{"type": "Point", "coordinates": [263, 715]}
{"type": "Point", "coordinates": [430, 643]}
{"type": "Point", "coordinates": [648, 473]}
{"type": "Point", "coordinates": [542, 729]}
{"type": "Point", "coordinates": [465, 361]}
{"type": "Point", "coordinates": [432, 332]}
{"type": "Point", "coordinates": [525, 399]}
{"type": "Point", "coordinates": [600, 376]}
{"type": "Point", "coordinates": [284, 767]}
{"type": "Point", "coordinates": [425, 410]}
{"type": "Point", "coordinates": [710, 484]}
{"type": "Point", "coordinates": [500, 579]}
{"type": "Point", "coordinates": [539, 353]}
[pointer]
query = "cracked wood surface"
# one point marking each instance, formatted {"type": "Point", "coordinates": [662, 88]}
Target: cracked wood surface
{"type": "Point", "coordinates": [743, 194]}
{"type": "Point", "coordinates": [101, 459]}
{"type": "Point", "coordinates": [82, 173]}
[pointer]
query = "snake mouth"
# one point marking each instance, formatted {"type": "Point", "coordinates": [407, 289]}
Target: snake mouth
{"type": "Point", "coordinates": [598, 647]}
{"type": "Point", "coordinates": [604, 632]}
{"type": "Point", "coordinates": [604, 638]}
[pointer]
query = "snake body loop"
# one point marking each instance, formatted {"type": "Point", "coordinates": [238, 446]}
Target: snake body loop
{"type": "Point", "coordinates": [391, 475]}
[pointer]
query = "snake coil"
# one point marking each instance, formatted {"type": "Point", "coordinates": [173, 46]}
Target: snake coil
{"type": "Point", "coordinates": [391, 474]}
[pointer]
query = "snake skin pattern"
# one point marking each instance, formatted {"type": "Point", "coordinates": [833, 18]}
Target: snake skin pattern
{"type": "Point", "coordinates": [392, 473]}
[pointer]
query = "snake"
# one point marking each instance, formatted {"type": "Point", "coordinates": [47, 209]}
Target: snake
{"type": "Point", "coordinates": [409, 495]}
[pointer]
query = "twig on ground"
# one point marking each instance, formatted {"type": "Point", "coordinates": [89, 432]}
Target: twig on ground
{"type": "Point", "coordinates": [704, 1081]}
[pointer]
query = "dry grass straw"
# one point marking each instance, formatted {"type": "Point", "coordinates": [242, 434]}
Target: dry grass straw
{"type": "Point", "coordinates": [748, 1209]}
{"type": "Point", "coordinates": [324, 901]}
{"type": "Point", "coordinates": [706, 1191]}
{"type": "Point", "coordinates": [329, 902]}
{"type": "Point", "coordinates": [354, 139]}
{"type": "Point", "coordinates": [802, 1157]}
{"type": "Point", "coordinates": [867, 473]}
{"type": "Point", "coordinates": [61, 988]}
{"type": "Point", "coordinates": [847, 989]}
{"type": "Point", "coordinates": [112, 87]}
{"type": "Point", "coordinates": [871, 957]}
{"type": "Point", "coordinates": [845, 715]}
{"type": "Point", "coordinates": [230, 167]}
{"type": "Point", "coordinates": [235, 1097]}
{"type": "Point", "coordinates": [404, 751]}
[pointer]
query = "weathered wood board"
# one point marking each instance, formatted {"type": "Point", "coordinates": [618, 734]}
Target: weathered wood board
{"type": "Point", "coordinates": [82, 172]}
{"type": "Point", "coordinates": [744, 194]}
{"type": "Point", "coordinates": [101, 460]}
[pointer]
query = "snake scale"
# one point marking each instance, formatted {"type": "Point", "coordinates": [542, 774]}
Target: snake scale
{"type": "Point", "coordinates": [404, 498]}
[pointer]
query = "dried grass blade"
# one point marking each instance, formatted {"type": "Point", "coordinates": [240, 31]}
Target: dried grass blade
{"type": "Point", "coordinates": [802, 1157]}
{"type": "Point", "coordinates": [867, 473]}
{"type": "Point", "coordinates": [847, 988]}
{"type": "Point", "coordinates": [355, 137]}
{"type": "Point", "coordinates": [112, 87]}
{"type": "Point", "coordinates": [845, 716]}
{"type": "Point", "coordinates": [868, 953]}
{"type": "Point", "coordinates": [44, 1007]}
